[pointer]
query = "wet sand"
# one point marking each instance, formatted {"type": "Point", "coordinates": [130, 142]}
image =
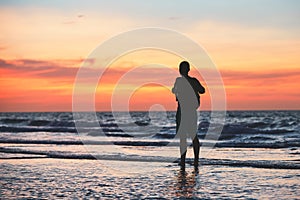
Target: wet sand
{"type": "Point", "coordinates": [47, 178]}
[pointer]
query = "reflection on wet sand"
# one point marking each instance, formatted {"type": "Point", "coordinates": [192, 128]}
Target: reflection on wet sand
{"type": "Point", "coordinates": [188, 183]}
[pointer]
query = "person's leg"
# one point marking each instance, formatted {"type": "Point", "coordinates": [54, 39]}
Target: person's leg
{"type": "Point", "coordinates": [183, 149]}
{"type": "Point", "coordinates": [183, 144]}
{"type": "Point", "coordinates": [196, 147]}
{"type": "Point", "coordinates": [178, 118]}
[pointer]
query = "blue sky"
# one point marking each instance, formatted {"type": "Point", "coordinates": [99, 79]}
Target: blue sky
{"type": "Point", "coordinates": [274, 13]}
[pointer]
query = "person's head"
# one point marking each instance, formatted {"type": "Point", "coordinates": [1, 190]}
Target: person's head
{"type": "Point", "coordinates": [184, 68]}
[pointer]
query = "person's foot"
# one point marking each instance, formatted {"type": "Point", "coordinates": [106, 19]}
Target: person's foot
{"type": "Point", "coordinates": [182, 167]}
{"type": "Point", "coordinates": [182, 161]}
{"type": "Point", "coordinates": [182, 164]}
{"type": "Point", "coordinates": [196, 169]}
{"type": "Point", "coordinates": [196, 163]}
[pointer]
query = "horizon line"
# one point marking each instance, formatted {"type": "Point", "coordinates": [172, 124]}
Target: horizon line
{"type": "Point", "coordinates": [230, 110]}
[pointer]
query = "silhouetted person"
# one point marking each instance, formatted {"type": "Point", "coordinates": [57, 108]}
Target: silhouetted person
{"type": "Point", "coordinates": [187, 90]}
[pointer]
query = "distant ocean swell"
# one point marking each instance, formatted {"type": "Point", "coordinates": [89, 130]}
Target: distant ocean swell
{"type": "Point", "coordinates": [253, 144]}
{"type": "Point", "coordinates": [251, 125]}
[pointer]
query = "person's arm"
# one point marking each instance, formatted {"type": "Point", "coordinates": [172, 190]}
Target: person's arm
{"type": "Point", "coordinates": [174, 89]}
{"type": "Point", "coordinates": [200, 88]}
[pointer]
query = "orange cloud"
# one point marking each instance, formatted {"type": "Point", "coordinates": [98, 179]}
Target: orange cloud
{"type": "Point", "coordinates": [39, 85]}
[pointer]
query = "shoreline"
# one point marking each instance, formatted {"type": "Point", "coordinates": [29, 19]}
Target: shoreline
{"type": "Point", "coordinates": [267, 164]}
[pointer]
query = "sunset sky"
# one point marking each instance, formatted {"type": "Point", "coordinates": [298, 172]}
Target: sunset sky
{"type": "Point", "coordinates": [255, 45]}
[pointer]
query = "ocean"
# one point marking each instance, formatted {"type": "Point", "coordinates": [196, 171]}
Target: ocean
{"type": "Point", "coordinates": [256, 155]}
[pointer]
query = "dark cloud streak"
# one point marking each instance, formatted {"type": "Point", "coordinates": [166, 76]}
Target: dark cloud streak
{"type": "Point", "coordinates": [38, 68]}
{"type": "Point", "coordinates": [52, 69]}
{"type": "Point", "coordinates": [244, 75]}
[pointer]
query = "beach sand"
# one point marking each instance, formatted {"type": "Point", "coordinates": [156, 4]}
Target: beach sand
{"type": "Point", "coordinates": [48, 178]}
